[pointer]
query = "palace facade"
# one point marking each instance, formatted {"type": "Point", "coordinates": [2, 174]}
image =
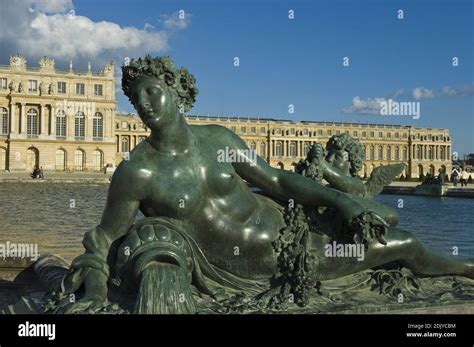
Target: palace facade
{"type": "Point", "coordinates": [55, 119]}
{"type": "Point", "coordinates": [64, 120]}
{"type": "Point", "coordinates": [282, 143]}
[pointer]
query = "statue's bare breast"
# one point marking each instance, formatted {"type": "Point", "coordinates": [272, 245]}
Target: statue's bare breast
{"type": "Point", "coordinates": [232, 225]}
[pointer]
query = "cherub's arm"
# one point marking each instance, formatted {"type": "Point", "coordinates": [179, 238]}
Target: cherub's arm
{"type": "Point", "coordinates": [341, 181]}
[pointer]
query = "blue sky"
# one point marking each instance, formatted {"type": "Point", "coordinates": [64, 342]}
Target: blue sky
{"type": "Point", "coordinates": [299, 61]}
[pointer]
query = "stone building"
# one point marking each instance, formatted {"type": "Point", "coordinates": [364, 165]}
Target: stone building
{"type": "Point", "coordinates": [282, 142]}
{"type": "Point", "coordinates": [59, 120]}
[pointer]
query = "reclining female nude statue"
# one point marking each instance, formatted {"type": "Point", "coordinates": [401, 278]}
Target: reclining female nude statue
{"type": "Point", "coordinates": [240, 225]}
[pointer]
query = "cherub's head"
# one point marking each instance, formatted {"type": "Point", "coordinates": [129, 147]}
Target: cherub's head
{"type": "Point", "coordinates": [345, 153]}
{"type": "Point", "coordinates": [158, 90]}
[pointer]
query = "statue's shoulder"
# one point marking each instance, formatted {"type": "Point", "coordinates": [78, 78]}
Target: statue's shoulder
{"type": "Point", "coordinates": [213, 132]}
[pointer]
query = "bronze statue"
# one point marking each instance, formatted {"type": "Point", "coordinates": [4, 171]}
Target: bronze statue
{"type": "Point", "coordinates": [207, 229]}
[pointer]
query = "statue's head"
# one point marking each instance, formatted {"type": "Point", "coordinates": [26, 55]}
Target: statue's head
{"type": "Point", "coordinates": [345, 153]}
{"type": "Point", "coordinates": [158, 89]}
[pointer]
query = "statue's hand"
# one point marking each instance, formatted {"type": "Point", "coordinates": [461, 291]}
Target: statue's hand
{"type": "Point", "coordinates": [95, 296]}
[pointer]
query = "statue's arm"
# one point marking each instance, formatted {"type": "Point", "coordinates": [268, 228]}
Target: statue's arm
{"type": "Point", "coordinates": [341, 181]}
{"type": "Point", "coordinates": [123, 200]}
{"type": "Point", "coordinates": [285, 185]}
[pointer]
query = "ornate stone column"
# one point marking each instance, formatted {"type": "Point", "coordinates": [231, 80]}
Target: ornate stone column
{"type": "Point", "coordinates": [22, 119]}
{"type": "Point", "coordinates": [43, 121]}
{"type": "Point", "coordinates": [52, 115]}
{"type": "Point", "coordinates": [12, 118]}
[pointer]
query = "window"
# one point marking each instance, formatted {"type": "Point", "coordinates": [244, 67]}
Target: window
{"type": "Point", "coordinates": [97, 126]}
{"type": "Point", "coordinates": [80, 88]}
{"type": "Point", "coordinates": [233, 128]}
{"type": "Point", "coordinates": [397, 135]}
{"type": "Point", "coordinates": [62, 87]}
{"type": "Point", "coordinates": [372, 152]}
{"type": "Point", "coordinates": [32, 85]}
{"type": "Point", "coordinates": [380, 134]}
{"type": "Point", "coordinates": [243, 130]}
{"type": "Point", "coordinates": [389, 153]}
{"type": "Point", "coordinates": [372, 134]}
{"type": "Point", "coordinates": [61, 124]}
{"type": "Point", "coordinates": [355, 133]}
{"type": "Point", "coordinates": [263, 130]}
{"type": "Point", "coordinates": [338, 132]}
{"type": "Point", "coordinates": [380, 153]}
{"type": "Point", "coordinates": [97, 160]}
{"type": "Point", "coordinates": [305, 148]}
{"type": "Point", "coordinates": [329, 132]}
{"type": "Point", "coordinates": [320, 132]}
{"type": "Point", "coordinates": [253, 130]}
{"type": "Point", "coordinates": [292, 131]}
{"type": "Point", "coordinates": [292, 149]}
{"type": "Point", "coordinates": [364, 134]}
{"type": "Point", "coordinates": [79, 125]}
{"type": "Point", "coordinates": [279, 149]}
{"type": "Point", "coordinates": [389, 135]}
{"type": "Point", "coordinates": [60, 160]}
{"type": "Point", "coordinates": [78, 160]}
{"type": "Point", "coordinates": [405, 153]}
{"type": "Point", "coordinates": [346, 132]}
{"type": "Point", "coordinates": [397, 153]}
{"type": "Point", "coordinates": [3, 83]}
{"type": "Point", "coordinates": [98, 89]}
{"type": "Point", "coordinates": [262, 149]}
{"type": "Point", "coordinates": [124, 125]}
{"type": "Point", "coordinates": [32, 123]}
{"type": "Point", "coordinates": [125, 146]}
{"type": "Point", "coordinates": [3, 121]}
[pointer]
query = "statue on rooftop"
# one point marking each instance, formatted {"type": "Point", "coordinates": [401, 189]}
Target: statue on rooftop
{"type": "Point", "coordinates": [236, 225]}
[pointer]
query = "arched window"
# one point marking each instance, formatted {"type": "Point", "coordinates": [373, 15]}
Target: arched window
{"type": "Point", "coordinates": [279, 149]}
{"type": "Point", "coordinates": [60, 160]}
{"type": "Point", "coordinates": [97, 160]}
{"type": "Point", "coordinates": [79, 125]}
{"type": "Point", "coordinates": [78, 160]}
{"type": "Point", "coordinates": [3, 121]}
{"type": "Point", "coordinates": [418, 152]}
{"type": "Point", "coordinates": [306, 146]}
{"type": "Point", "coordinates": [125, 145]}
{"type": "Point", "coordinates": [253, 145]}
{"type": "Point", "coordinates": [397, 153]}
{"type": "Point", "coordinates": [32, 123]}
{"type": "Point", "coordinates": [262, 149]}
{"type": "Point", "coordinates": [372, 153]}
{"type": "Point", "coordinates": [430, 152]}
{"type": "Point", "coordinates": [61, 124]}
{"type": "Point", "coordinates": [292, 149]}
{"type": "Point", "coordinates": [405, 153]}
{"type": "Point", "coordinates": [380, 153]}
{"type": "Point", "coordinates": [98, 126]}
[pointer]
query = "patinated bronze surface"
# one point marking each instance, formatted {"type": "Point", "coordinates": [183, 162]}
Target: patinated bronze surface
{"type": "Point", "coordinates": [238, 226]}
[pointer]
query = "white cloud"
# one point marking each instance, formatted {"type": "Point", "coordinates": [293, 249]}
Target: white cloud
{"type": "Point", "coordinates": [176, 21]}
{"type": "Point", "coordinates": [44, 27]}
{"type": "Point", "coordinates": [446, 91]}
{"type": "Point", "coordinates": [367, 106]}
{"type": "Point", "coordinates": [422, 93]}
